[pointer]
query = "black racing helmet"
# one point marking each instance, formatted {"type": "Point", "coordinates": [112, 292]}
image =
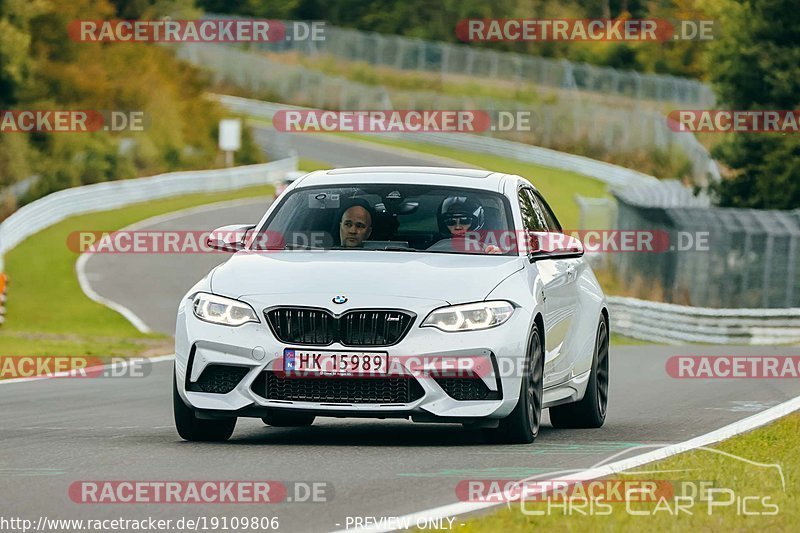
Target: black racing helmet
{"type": "Point", "coordinates": [460, 206]}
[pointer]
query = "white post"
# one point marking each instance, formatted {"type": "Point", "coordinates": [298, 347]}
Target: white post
{"type": "Point", "coordinates": [230, 138]}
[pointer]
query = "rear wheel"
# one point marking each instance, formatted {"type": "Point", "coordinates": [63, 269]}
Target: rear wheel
{"type": "Point", "coordinates": [288, 420]}
{"type": "Point", "coordinates": [590, 412]}
{"type": "Point", "coordinates": [522, 425]}
{"type": "Point", "coordinates": [192, 428]}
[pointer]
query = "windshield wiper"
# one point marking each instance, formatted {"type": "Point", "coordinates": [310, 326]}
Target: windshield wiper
{"type": "Point", "coordinates": [399, 249]}
{"type": "Point", "coordinates": [297, 246]}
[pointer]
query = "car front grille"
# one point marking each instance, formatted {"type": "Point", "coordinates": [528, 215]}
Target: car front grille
{"type": "Point", "coordinates": [218, 379]}
{"type": "Point", "coordinates": [465, 388]}
{"type": "Point", "coordinates": [302, 326]}
{"type": "Point", "coordinates": [319, 327]}
{"type": "Point", "coordinates": [339, 390]}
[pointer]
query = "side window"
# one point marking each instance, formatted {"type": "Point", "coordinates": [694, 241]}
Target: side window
{"type": "Point", "coordinates": [550, 218]}
{"type": "Point", "coordinates": [532, 218]}
{"type": "Point", "coordinates": [541, 221]}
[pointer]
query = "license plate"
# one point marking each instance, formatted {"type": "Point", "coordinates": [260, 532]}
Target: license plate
{"type": "Point", "coordinates": [335, 363]}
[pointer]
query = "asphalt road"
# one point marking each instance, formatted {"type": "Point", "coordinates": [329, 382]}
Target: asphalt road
{"type": "Point", "coordinates": [56, 432]}
{"type": "Point", "coordinates": [341, 152]}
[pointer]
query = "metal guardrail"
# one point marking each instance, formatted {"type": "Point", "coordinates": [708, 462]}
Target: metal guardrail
{"type": "Point", "coordinates": [59, 205]}
{"type": "Point", "coordinates": [640, 319]}
{"type": "Point", "coordinates": [461, 59]}
{"type": "Point", "coordinates": [609, 129]}
{"type": "Point", "coordinates": [632, 317]}
{"type": "Point", "coordinates": [613, 175]}
{"type": "Point", "coordinates": [420, 55]}
{"type": "Point", "coordinates": [678, 324]}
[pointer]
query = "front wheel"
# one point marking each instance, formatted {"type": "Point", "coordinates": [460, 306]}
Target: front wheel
{"type": "Point", "coordinates": [522, 425]}
{"type": "Point", "coordinates": [192, 428]}
{"type": "Point", "coordinates": [590, 412]}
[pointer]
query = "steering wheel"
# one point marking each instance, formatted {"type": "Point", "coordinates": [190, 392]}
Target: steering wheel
{"type": "Point", "coordinates": [442, 245]}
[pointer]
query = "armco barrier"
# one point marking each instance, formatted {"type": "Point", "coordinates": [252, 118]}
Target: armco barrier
{"type": "Point", "coordinates": [57, 206]}
{"type": "Point", "coordinates": [679, 324]}
{"type": "Point", "coordinates": [649, 321]}
{"type": "Point", "coordinates": [419, 55]}
{"type": "Point", "coordinates": [611, 174]}
{"type": "Point", "coordinates": [640, 319]}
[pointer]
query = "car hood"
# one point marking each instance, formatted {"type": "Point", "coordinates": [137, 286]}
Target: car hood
{"type": "Point", "coordinates": [451, 278]}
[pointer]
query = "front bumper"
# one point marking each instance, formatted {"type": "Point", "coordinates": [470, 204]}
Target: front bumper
{"type": "Point", "coordinates": [254, 349]}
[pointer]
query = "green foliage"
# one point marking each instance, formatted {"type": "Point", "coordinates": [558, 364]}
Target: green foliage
{"type": "Point", "coordinates": [42, 68]}
{"type": "Point", "coordinates": [437, 21]}
{"type": "Point", "coordinates": [756, 65]}
{"type": "Point", "coordinates": [756, 61]}
{"type": "Point", "coordinates": [763, 171]}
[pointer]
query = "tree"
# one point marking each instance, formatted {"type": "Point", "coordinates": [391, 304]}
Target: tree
{"type": "Point", "coordinates": [755, 65]}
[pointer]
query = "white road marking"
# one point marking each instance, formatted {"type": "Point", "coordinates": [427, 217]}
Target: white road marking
{"type": "Point", "coordinates": [605, 470]}
{"type": "Point", "coordinates": [116, 364]}
{"type": "Point", "coordinates": [130, 316]}
{"type": "Point", "coordinates": [83, 281]}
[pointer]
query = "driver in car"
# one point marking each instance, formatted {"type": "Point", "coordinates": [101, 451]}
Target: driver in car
{"type": "Point", "coordinates": [355, 226]}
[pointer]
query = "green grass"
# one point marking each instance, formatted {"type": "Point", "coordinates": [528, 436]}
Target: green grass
{"type": "Point", "coordinates": [30, 343]}
{"type": "Point", "coordinates": [558, 186]}
{"type": "Point", "coordinates": [621, 340]}
{"type": "Point", "coordinates": [47, 313]}
{"type": "Point", "coordinates": [457, 85]}
{"type": "Point", "coordinates": [312, 164]}
{"type": "Point", "coordinates": [41, 268]}
{"type": "Point", "coordinates": [772, 444]}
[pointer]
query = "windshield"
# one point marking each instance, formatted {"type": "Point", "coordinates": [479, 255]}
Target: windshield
{"type": "Point", "coordinates": [391, 217]}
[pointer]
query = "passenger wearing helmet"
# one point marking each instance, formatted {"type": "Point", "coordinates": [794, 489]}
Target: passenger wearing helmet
{"type": "Point", "coordinates": [458, 215]}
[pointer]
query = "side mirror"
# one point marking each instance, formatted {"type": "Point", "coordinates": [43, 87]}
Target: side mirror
{"type": "Point", "coordinates": [229, 238]}
{"type": "Point", "coordinates": [551, 245]}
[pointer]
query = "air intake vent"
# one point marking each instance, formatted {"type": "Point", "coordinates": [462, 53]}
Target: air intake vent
{"type": "Point", "coordinates": [218, 379]}
{"type": "Point", "coordinates": [342, 390]}
{"type": "Point", "coordinates": [466, 389]}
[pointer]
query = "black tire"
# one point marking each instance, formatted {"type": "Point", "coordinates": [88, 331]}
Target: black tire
{"type": "Point", "coordinates": [283, 419]}
{"type": "Point", "coordinates": [522, 425]}
{"type": "Point", "coordinates": [590, 412]}
{"type": "Point", "coordinates": [192, 428]}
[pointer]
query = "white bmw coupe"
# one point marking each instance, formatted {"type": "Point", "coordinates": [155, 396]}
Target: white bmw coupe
{"type": "Point", "coordinates": [435, 294]}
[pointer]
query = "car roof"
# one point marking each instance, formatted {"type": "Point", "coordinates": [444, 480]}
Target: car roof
{"type": "Point", "coordinates": [448, 177]}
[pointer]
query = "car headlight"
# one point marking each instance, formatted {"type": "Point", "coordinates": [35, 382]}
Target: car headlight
{"type": "Point", "coordinates": [221, 310]}
{"type": "Point", "coordinates": [470, 317]}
